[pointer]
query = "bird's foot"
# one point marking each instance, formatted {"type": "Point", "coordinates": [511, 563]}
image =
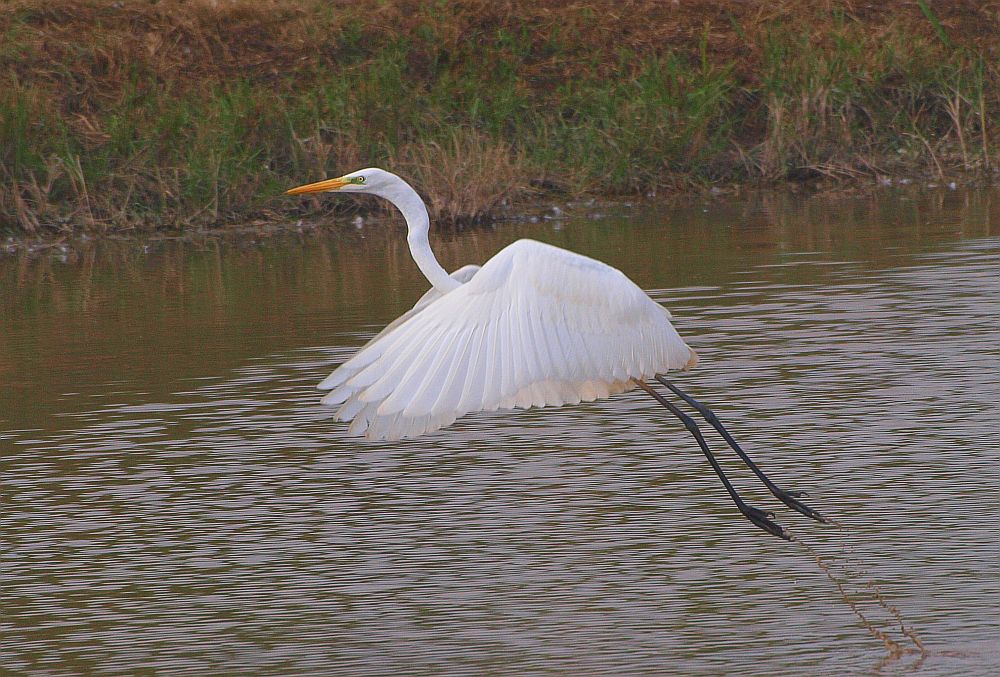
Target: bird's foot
{"type": "Point", "coordinates": [764, 520]}
{"type": "Point", "coordinates": [790, 498]}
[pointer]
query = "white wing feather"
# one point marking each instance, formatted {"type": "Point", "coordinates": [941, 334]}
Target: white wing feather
{"type": "Point", "coordinates": [536, 326]}
{"type": "Point", "coordinates": [463, 274]}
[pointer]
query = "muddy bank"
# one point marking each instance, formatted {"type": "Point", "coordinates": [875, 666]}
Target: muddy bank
{"type": "Point", "coordinates": [130, 116]}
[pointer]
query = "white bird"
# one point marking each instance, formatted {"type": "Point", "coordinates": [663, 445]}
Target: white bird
{"type": "Point", "coordinates": [535, 326]}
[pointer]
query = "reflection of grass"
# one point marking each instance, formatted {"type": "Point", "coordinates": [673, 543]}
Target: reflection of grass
{"type": "Point", "coordinates": [185, 113]}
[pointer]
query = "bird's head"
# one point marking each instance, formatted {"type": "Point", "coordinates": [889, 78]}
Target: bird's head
{"type": "Point", "coordinates": [372, 180]}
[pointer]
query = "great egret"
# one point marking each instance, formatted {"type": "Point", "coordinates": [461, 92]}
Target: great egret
{"type": "Point", "coordinates": [535, 326]}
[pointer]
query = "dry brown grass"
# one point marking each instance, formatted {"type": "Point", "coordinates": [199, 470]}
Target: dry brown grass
{"type": "Point", "coordinates": [465, 178]}
{"type": "Point", "coordinates": [196, 43]}
{"type": "Point", "coordinates": [100, 100]}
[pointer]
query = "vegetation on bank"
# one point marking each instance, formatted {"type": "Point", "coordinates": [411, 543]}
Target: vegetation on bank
{"type": "Point", "coordinates": [140, 113]}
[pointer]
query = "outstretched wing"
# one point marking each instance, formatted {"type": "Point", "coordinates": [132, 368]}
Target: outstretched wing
{"type": "Point", "coordinates": [463, 275]}
{"type": "Point", "coordinates": [536, 326]}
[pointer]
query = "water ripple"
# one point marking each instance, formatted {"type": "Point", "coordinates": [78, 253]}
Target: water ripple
{"type": "Point", "coordinates": [229, 526]}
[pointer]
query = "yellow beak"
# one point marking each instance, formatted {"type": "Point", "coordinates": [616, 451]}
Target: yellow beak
{"type": "Point", "coordinates": [318, 187]}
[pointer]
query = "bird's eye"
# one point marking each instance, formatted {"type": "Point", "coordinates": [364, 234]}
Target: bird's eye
{"type": "Point", "coordinates": [358, 179]}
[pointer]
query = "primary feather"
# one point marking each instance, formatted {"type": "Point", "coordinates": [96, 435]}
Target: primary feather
{"type": "Point", "coordinates": [535, 326]}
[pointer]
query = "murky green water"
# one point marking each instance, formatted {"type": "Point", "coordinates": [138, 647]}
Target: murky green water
{"type": "Point", "coordinates": [174, 498]}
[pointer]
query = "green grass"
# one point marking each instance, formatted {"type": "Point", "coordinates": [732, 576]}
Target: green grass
{"type": "Point", "coordinates": [148, 152]}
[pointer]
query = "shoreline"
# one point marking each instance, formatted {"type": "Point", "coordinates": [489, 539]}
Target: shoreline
{"type": "Point", "coordinates": [131, 116]}
{"type": "Point", "coordinates": [67, 246]}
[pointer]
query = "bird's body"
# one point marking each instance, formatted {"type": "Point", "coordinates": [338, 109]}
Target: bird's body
{"type": "Point", "coordinates": [535, 326]}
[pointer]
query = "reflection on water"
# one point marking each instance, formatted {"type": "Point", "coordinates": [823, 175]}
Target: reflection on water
{"type": "Point", "coordinates": [175, 498]}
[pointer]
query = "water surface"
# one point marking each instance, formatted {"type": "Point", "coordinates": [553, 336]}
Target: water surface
{"type": "Point", "coordinates": [176, 500]}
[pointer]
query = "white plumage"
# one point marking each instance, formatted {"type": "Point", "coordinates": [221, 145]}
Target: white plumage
{"type": "Point", "coordinates": [535, 326]}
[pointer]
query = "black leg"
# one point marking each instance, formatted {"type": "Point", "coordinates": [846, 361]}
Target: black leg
{"type": "Point", "coordinates": [755, 515]}
{"type": "Point", "coordinates": [789, 498]}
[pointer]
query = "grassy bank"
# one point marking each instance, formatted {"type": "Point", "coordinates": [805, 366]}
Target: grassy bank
{"type": "Point", "coordinates": [169, 114]}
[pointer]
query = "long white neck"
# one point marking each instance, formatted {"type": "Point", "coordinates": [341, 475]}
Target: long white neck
{"type": "Point", "coordinates": [401, 194]}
